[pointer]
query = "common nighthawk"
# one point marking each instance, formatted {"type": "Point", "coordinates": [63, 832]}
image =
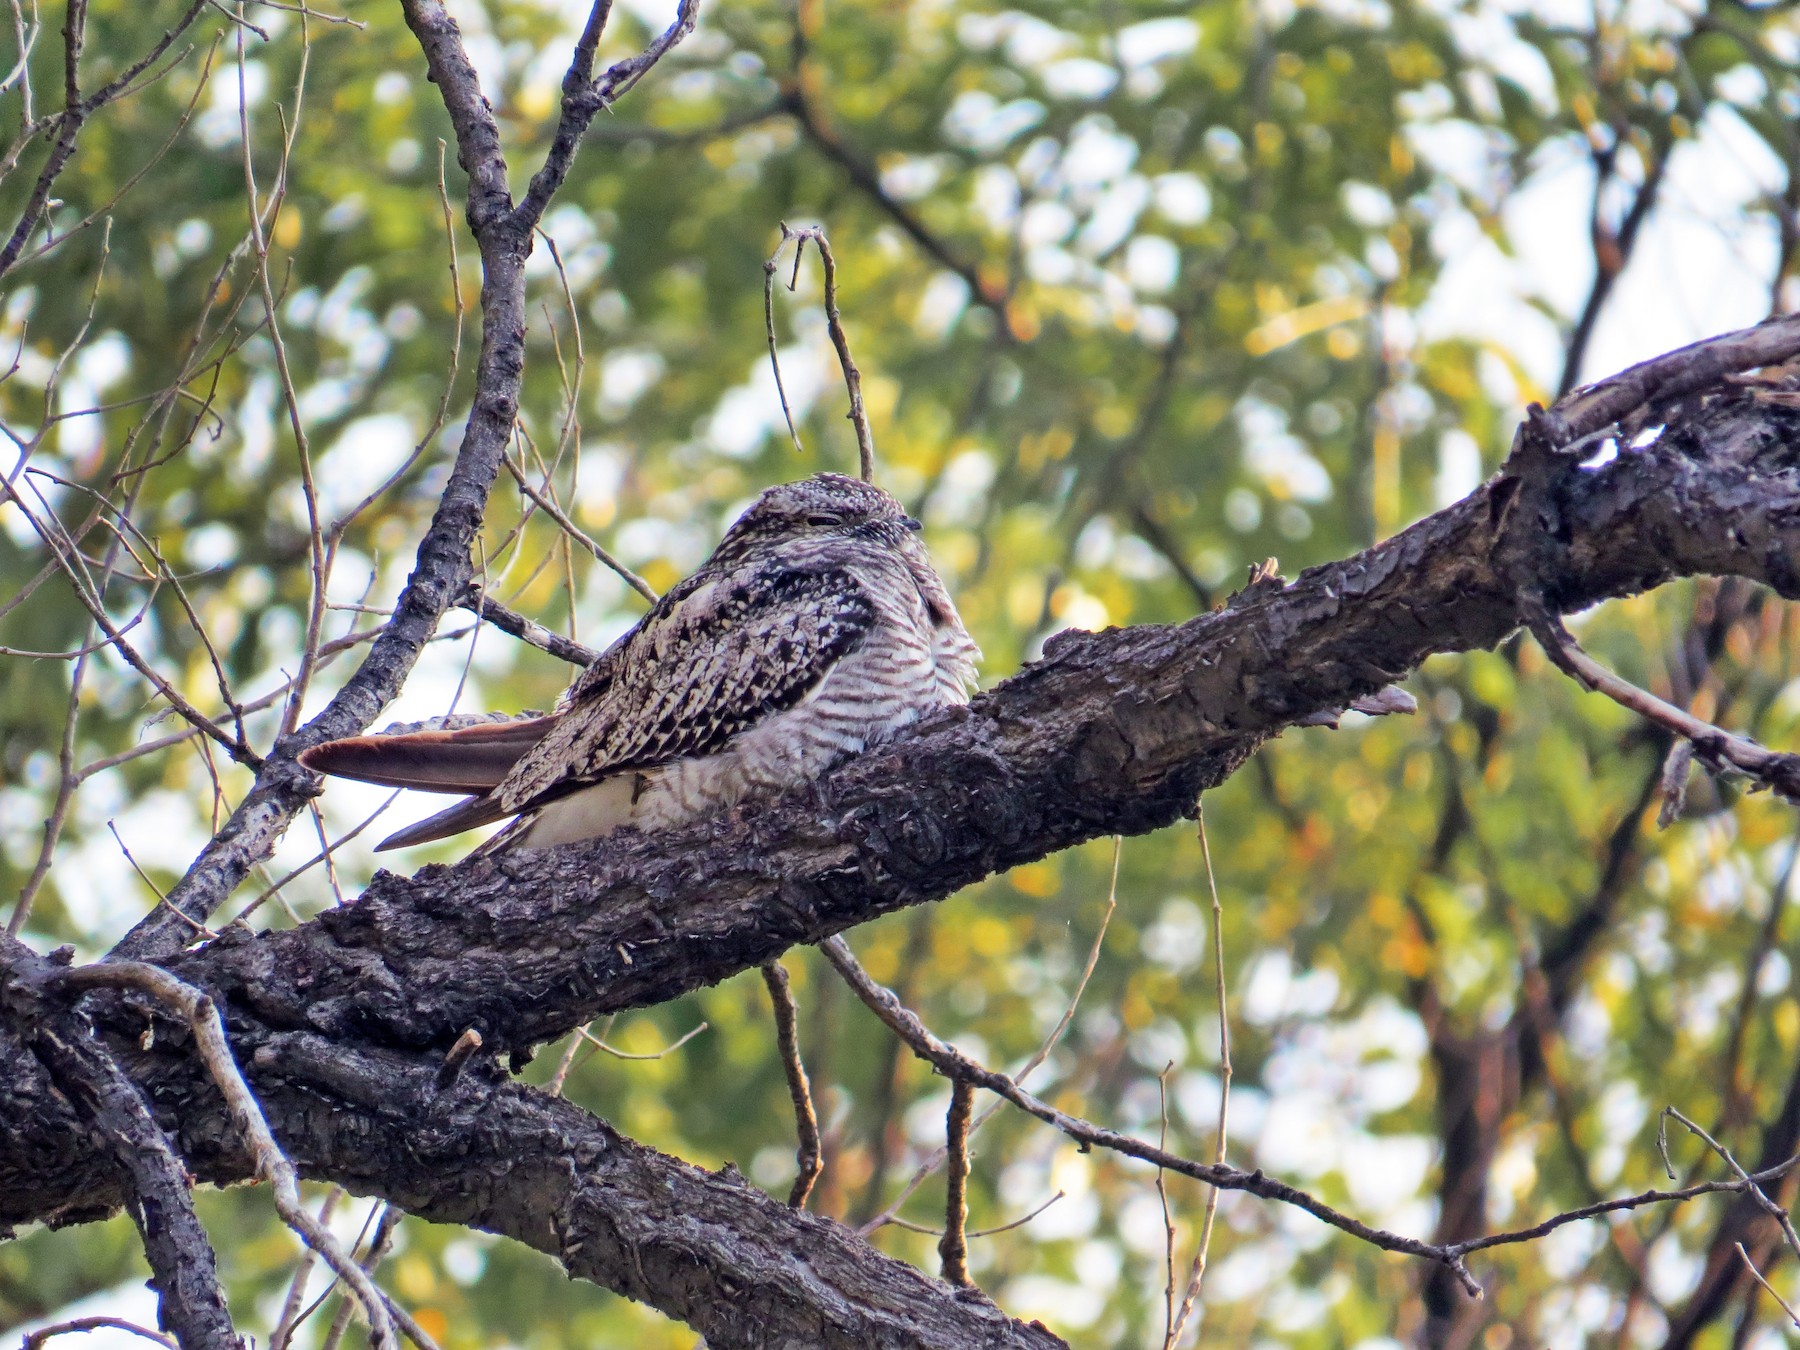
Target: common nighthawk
{"type": "Point", "coordinates": [817, 628]}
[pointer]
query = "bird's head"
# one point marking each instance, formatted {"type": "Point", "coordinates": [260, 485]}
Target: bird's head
{"type": "Point", "coordinates": [824, 506]}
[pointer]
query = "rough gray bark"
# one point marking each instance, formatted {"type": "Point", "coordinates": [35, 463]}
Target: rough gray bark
{"type": "Point", "coordinates": [1113, 732]}
{"type": "Point", "coordinates": [153, 1181]}
{"type": "Point", "coordinates": [344, 1019]}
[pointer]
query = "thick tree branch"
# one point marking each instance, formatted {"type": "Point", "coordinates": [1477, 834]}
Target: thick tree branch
{"type": "Point", "coordinates": [1112, 733]}
{"type": "Point", "coordinates": [742, 1268]}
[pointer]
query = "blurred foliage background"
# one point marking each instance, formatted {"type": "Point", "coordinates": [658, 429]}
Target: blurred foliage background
{"type": "Point", "coordinates": [1142, 294]}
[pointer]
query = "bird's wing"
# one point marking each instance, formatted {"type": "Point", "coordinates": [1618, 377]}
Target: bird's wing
{"type": "Point", "coordinates": [713, 657]}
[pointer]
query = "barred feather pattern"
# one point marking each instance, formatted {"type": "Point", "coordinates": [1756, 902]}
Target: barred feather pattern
{"type": "Point", "coordinates": [817, 629]}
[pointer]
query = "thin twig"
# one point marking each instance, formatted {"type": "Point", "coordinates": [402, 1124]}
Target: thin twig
{"type": "Point", "coordinates": [1718, 748]}
{"type": "Point", "coordinates": [668, 1049]}
{"type": "Point", "coordinates": [34, 1339]}
{"type": "Point", "coordinates": [769, 269]}
{"type": "Point", "coordinates": [1767, 1205]}
{"type": "Point", "coordinates": [289, 1320]}
{"type": "Point", "coordinates": [528, 631]}
{"type": "Point", "coordinates": [324, 855]}
{"type": "Point", "coordinates": [936, 1160]}
{"type": "Point", "coordinates": [69, 559]}
{"type": "Point", "coordinates": [807, 1156]}
{"type": "Point", "coordinates": [549, 507]}
{"type": "Point", "coordinates": [1019, 1222]}
{"type": "Point", "coordinates": [1793, 1316]}
{"type": "Point", "coordinates": [1162, 1198]}
{"type": "Point", "coordinates": [557, 1080]}
{"type": "Point", "coordinates": [1197, 1272]}
{"type": "Point", "coordinates": [67, 780]}
{"type": "Point", "coordinates": [385, 1228]}
{"type": "Point", "coordinates": [143, 876]}
{"type": "Point", "coordinates": [954, 1246]}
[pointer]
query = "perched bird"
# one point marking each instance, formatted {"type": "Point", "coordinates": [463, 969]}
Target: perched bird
{"type": "Point", "coordinates": [817, 628]}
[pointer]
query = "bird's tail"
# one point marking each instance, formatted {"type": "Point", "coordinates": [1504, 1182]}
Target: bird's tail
{"type": "Point", "coordinates": [468, 759]}
{"type": "Point", "coordinates": [465, 815]}
{"type": "Point", "coordinates": [471, 759]}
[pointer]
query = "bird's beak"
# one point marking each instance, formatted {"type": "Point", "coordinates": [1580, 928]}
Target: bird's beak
{"type": "Point", "coordinates": [912, 524]}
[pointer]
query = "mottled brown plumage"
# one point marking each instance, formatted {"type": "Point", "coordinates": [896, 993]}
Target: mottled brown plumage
{"type": "Point", "coordinates": [817, 628]}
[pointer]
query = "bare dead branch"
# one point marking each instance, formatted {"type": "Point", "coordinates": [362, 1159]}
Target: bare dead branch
{"type": "Point", "coordinates": [834, 324]}
{"type": "Point", "coordinates": [1716, 747]}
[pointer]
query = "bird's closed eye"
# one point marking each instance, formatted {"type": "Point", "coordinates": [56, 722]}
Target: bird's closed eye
{"type": "Point", "coordinates": [822, 518]}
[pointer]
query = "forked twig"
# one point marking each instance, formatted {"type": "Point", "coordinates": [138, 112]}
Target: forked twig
{"type": "Point", "coordinates": [1755, 1191]}
{"type": "Point", "coordinates": [834, 324]}
{"type": "Point", "coordinates": [1718, 748]}
{"type": "Point", "coordinates": [548, 506]}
